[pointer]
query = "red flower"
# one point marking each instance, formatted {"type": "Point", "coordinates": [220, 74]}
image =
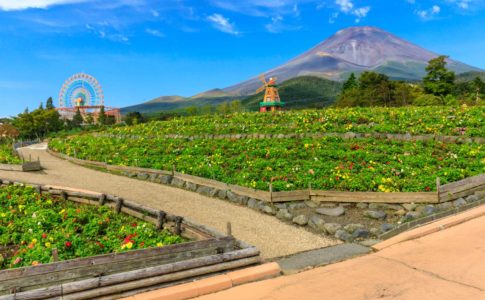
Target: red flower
{"type": "Point", "coordinates": [133, 225]}
{"type": "Point", "coordinates": [427, 189]}
{"type": "Point", "coordinates": [68, 244]}
{"type": "Point", "coordinates": [44, 235]}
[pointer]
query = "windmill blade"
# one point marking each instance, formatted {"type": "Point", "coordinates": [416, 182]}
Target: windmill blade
{"type": "Point", "coordinates": [263, 79]}
{"type": "Point", "coordinates": [260, 89]}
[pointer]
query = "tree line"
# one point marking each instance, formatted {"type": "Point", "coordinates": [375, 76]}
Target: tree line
{"type": "Point", "coordinates": [45, 121]}
{"type": "Point", "coordinates": [438, 87]}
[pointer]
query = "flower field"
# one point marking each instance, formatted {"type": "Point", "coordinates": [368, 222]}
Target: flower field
{"type": "Point", "coordinates": [466, 121]}
{"type": "Point", "coordinates": [7, 156]}
{"type": "Point", "coordinates": [31, 225]}
{"type": "Point", "coordinates": [328, 163]}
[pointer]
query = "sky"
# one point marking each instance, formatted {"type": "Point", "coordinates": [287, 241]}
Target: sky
{"type": "Point", "coordinates": [142, 49]}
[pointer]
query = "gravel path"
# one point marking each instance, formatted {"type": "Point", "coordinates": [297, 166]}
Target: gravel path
{"type": "Point", "coordinates": [272, 237]}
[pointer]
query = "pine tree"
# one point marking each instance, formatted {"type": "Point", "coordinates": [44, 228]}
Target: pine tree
{"type": "Point", "coordinates": [350, 83]}
{"type": "Point", "coordinates": [49, 104]}
{"type": "Point", "coordinates": [439, 81]}
{"type": "Point", "coordinates": [77, 121]}
{"type": "Point", "coordinates": [102, 116]}
{"type": "Point", "coordinates": [41, 106]}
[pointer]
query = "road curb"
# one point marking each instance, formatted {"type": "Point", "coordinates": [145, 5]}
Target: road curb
{"type": "Point", "coordinates": [432, 227]}
{"type": "Point", "coordinates": [212, 284]}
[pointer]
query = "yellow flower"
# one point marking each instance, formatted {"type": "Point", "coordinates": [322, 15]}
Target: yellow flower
{"type": "Point", "coordinates": [160, 244]}
{"type": "Point", "coordinates": [34, 241]}
{"type": "Point", "coordinates": [35, 263]}
{"type": "Point", "coordinates": [62, 211]}
{"type": "Point", "coordinates": [47, 245]}
{"type": "Point", "coordinates": [129, 245]}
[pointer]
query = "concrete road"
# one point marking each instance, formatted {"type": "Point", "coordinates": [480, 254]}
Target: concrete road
{"type": "Point", "coordinates": [449, 264]}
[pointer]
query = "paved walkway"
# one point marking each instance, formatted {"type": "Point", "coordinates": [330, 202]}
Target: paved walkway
{"type": "Point", "coordinates": [449, 264]}
{"type": "Point", "coordinates": [272, 237]}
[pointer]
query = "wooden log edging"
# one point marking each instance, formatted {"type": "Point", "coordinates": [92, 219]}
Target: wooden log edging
{"type": "Point", "coordinates": [241, 195]}
{"type": "Point", "coordinates": [140, 278]}
{"type": "Point", "coordinates": [454, 139]}
{"type": "Point", "coordinates": [121, 272]}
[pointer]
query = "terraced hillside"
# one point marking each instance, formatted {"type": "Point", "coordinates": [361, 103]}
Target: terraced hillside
{"type": "Point", "coordinates": [294, 161]}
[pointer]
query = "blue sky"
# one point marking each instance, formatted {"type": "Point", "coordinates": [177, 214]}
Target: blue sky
{"type": "Point", "coordinates": [142, 49]}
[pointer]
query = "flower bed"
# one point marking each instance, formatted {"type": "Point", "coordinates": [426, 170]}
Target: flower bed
{"type": "Point", "coordinates": [328, 163]}
{"type": "Point", "coordinates": [458, 121]}
{"type": "Point", "coordinates": [7, 156]}
{"type": "Point", "coordinates": [32, 225]}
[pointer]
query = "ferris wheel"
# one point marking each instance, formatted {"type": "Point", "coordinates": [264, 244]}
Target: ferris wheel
{"type": "Point", "coordinates": [81, 90]}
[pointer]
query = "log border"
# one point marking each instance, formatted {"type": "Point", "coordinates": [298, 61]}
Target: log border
{"type": "Point", "coordinates": [210, 252]}
{"type": "Point", "coordinates": [444, 193]}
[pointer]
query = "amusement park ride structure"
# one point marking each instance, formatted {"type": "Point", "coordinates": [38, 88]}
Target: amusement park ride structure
{"type": "Point", "coordinates": [83, 92]}
{"type": "Point", "coordinates": [271, 101]}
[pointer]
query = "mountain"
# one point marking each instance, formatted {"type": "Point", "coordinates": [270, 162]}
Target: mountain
{"type": "Point", "coordinates": [355, 49]}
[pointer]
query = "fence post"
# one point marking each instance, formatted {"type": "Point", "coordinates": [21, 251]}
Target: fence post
{"type": "Point", "coordinates": [438, 184]}
{"type": "Point", "coordinates": [229, 229]}
{"type": "Point", "coordinates": [178, 225]}
{"type": "Point", "coordinates": [119, 205]}
{"type": "Point", "coordinates": [271, 192]}
{"type": "Point", "coordinates": [160, 219]}
{"type": "Point", "coordinates": [102, 199]}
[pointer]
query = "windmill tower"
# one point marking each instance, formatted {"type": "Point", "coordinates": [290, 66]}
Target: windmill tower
{"type": "Point", "coordinates": [271, 101]}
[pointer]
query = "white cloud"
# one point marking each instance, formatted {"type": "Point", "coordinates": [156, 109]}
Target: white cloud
{"type": "Point", "coordinates": [26, 4]}
{"type": "Point", "coordinates": [428, 14]}
{"type": "Point", "coordinates": [155, 32]}
{"type": "Point", "coordinates": [155, 13]}
{"type": "Point", "coordinates": [347, 7]}
{"type": "Point", "coordinates": [223, 24]}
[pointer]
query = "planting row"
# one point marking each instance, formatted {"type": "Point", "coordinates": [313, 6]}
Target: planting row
{"type": "Point", "coordinates": [328, 163]}
{"type": "Point", "coordinates": [467, 121]}
{"type": "Point", "coordinates": [32, 225]}
{"type": "Point", "coordinates": [7, 155]}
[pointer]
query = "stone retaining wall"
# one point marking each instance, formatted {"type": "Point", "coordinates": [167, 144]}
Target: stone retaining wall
{"type": "Point", "coordinates": [345, 221]}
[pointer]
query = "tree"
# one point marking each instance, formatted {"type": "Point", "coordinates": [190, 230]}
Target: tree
{"type": "Point", "coordinates": [77, 120]}
{"type": "Point", "coordinates": [49, 104]}
{"type": "Point", "coordinates": [439, 81]}
{"type": "Point", "coordinates": [223, 108]}
{"type": "Point", "coordinates": [479, 86]}
{"type": "Point", "coordinates": [41, 106]}
{"type": "Point", "coordinates": [350, 83]}
{"type": "Point", "coordinates": [235, 106]}
{"type": "Point", "coordinates": [89, 119]}
{"type": "Point", "coordinates": [133, 118]}
{"type": "Point", "coordinates": [102, 116]}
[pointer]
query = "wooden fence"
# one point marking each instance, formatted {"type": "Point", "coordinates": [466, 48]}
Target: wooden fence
{"type": "Point", "coordinates": [119, 274]}
{"type": "Point", "coordinates": [444, 193]}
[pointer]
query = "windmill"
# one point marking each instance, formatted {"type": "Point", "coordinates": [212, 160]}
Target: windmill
{"type": "Point", "coordinates": [271, 100]}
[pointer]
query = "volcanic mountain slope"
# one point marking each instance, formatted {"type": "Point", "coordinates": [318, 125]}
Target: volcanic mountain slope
{"type": "Point", "coordinates": [355, 49]}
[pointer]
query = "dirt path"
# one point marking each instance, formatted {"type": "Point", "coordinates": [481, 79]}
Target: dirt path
{"type": "Point", "coordinates": [272, 237]}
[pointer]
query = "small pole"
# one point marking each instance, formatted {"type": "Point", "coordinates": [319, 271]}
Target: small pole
{"type": "Point", "coordinates": [161, 215]}
{"type": "Point", "coordinates": [30, 157]}
{"type": "Point", "coordinates": [271, 192]}
{"type": "Point", "coordinates": [64, 195]}
{"type": "Point", "coordinates": [55, 255]}
{"type": "Point", "coordinates": [178, 225]}
{"type": "Point", "coordinates": [173, 170]}
{"type": "Point", "coordinates": [119, 205]}
{"type": "Point", "coordinates": [438, 184]}
{"type": "Point", "coordinates": [102, 199]}
{"type": "Point", "coordinates": [229, 229]}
